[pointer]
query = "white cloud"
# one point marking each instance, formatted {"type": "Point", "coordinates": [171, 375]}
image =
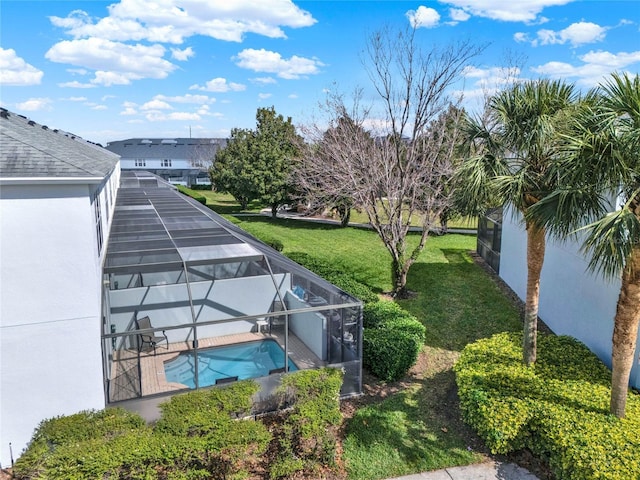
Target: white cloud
{"type": "Point", "coordinates": [172, 21]}
{"type": "Point", "coordinates": [182, 55]}
{"type": "Point", "coordinates": [76, 84]}
{"type": "Point", "coordinates": [575, 34]}
{"type": "Point", "coordinates": [114, 63]}
{"type": "Point", "coordinates": [156, 104]}
{"type": "Point", "coordinates": [264, 96]}
{"type": "Point", "coordinates": [597, 65]}
{"type": "Point", "coordinates": [15, 71]}
{"type": "Point", "coordinates": [423, 17]}
{"type": "Point", "coordinates": [264, 80]}
{"type": "Point", "coordinates": [293, 96]}
{"type": "Point", "coordinates": [76, 99]}
{"type": "Point", "coordinates": [34, 104]}
{"type": "Point", "coordinates": [188, 98]}
{"type": "Point", "coordinates": [99, 107]}
{"type": "Point", "coordinates": [155, 116]}
{"type": "Point", "coordinates": [506, 10]}
{"type": "Point", "coordinates": [272, 62]}
{"type": "Point", "coordinates": [520, 37]}
{"type": "Point", "coordinates": [219, 85]}
{"type": "Point", "coordinates": [459, 15]}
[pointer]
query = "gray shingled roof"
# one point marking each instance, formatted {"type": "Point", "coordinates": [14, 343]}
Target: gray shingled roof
{"type": "Point", "coordinates": [30, 150]}
{"type": "Point", "coordinates": [160, 148]}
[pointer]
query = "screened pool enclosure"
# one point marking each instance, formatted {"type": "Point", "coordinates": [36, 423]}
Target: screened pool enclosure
{"type": "Point", "coordinates": [191, 301]}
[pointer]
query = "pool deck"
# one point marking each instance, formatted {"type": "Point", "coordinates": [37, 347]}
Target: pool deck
{"type": "Point", "coordinates": [126, 379]}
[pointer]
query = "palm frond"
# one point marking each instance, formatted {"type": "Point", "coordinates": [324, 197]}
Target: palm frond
{"type": "Point", "coordinates": [567, 209]}
{"type": "Point", "coordinates": [610, 242]}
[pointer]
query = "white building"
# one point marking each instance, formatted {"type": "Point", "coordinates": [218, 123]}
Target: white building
{"type": "Point", "coordinates": [57, 195]}
{"type": "Point", "coordinates": [180, 161]}
{"type": "Point", "coordinates": [573, 301]}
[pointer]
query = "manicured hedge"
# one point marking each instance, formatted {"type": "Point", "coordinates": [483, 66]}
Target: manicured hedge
{"type": "Point", "coordinates": [308, 436]}
{"type": "Point", "coordinates": [197, 437]}
{"type": "Point", "coordinates": [342, 280]}
{"type": "Point", "coordinates": [559, 409]}
{"type": "Point", "coordinates": [392, 340]}
{"type": "Point", "coordinates": [193, 194]}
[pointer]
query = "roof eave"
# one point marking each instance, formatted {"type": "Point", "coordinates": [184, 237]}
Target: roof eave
{"type": "Point", "coordinates": [52, 180]}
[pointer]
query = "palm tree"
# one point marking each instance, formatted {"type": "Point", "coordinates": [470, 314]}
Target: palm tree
{"type": "Point", "coordinates": [511, 153]}
{"type": "Point", "coordinates": [603, 161]}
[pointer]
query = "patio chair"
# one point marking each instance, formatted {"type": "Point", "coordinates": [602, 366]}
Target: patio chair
{"type": "Point", "coordinates": [150, 339]}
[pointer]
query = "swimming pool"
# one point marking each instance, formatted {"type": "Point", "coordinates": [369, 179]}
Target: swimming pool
{"type": "Point", "coordinates": [217, 364]}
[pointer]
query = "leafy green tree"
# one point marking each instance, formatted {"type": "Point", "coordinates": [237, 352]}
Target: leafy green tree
{"type": "Point", "coordinates": [603, 161]}
{"type": "Point", "coordinates": [512, 151]}
{"type": "Point", "coordinates": [257, 164]}
{"type": "Point", "coordinates": [229, 172]}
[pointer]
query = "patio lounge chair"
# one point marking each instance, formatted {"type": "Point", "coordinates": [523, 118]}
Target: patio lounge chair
{"type": "Point", "coordinates": [149, 339]}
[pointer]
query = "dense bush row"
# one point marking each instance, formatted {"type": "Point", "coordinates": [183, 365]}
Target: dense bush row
{"type": "Point", "coordinates": [198, 435]}
{"type": "Point", "coordinates": [193, 194]}
{"type": "Point", "coordinates": [330, 273]}
{"type": "Point", "coordinates": [392, 340]}
{"type": "Point", "coordinates": [559, 409]}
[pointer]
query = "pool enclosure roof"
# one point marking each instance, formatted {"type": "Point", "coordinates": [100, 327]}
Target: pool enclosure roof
{"type": "Point", "coordinates": [155, 228]}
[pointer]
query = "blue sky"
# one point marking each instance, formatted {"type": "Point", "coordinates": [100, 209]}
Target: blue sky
{"type": "Point", "coordinates": [173, 68]}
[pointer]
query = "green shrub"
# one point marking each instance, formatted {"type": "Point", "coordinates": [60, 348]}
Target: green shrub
{"type": "Point", "coordinates": [195, 195]}
{"type": "Point", "coordinates": [79, 428]}
{"type": "Point", "coordinates": [559, 409]}
{"type": "Point", "coordinates": [375, 314]}
{"type": "Point", "coordinates": [389, 353]}
{"type": "Point", "coordinates": [201, 187]}
{"type": "Point", "coordinates": [392, 340]}
{"type": "Point", "coordinates": [274, 243]}
{"type": "Point", "coordinates": [342, 280]}
{"type": "Point", "coordinates": [309, 433]}
{"type": "Point", "coordinates": [197, 437]}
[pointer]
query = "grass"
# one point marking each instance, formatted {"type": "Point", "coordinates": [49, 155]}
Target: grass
{"type": "Point", "coordinates": [460, 222]}
{"type": "Point", "coordinates": [417, 427]}
{"type": "Point", "coordinates": [225, 204]}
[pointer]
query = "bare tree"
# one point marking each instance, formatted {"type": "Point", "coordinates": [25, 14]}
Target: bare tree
{"type": "Point", "coordinates": [396, 174]}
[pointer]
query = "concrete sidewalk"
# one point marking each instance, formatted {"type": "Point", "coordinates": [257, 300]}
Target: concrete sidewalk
{"type": "Point", "coordinates": [481, 471]}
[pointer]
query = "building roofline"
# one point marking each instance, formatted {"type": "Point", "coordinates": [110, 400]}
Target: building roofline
{"type": "Point", "coordinates": [52, 180]}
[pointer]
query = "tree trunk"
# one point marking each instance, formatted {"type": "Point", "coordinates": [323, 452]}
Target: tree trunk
{"type": "Point", "coordinates": [345, 216]}
{"type": "Point", "coordinates": [274, 210]}
{"type": "Point", "coordinates": [535, 259]}
{"type": "Point", "coordinates": [625, 333]}
{"type": "Point", "coordinates": [399, 271]}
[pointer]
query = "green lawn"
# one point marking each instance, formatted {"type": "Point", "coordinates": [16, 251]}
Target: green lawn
{"type": "Point", "coordinates": [224, 203]}
{"type": "Point", "coordinates": [417, 428]}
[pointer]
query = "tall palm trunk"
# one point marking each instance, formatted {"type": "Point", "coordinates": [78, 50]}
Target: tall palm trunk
{"type": "Point", "coordinates": [625, 333]}
{"type": "Point", "coordinates": [535, 259]}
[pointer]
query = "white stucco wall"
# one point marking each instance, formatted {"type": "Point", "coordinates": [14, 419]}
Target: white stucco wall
{"type": "Point", "coordinates": [50, 315]}
{"type": "Point", "coordinates": [573, 301]}
{"type": "Point", "coordinates": [176, 163]}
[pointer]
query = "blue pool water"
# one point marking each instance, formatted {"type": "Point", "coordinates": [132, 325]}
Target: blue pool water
{"type": "Point", "coordinates": [243, 360]}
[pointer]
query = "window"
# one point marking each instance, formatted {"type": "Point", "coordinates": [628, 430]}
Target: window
{"type": "Point", "coordinates": [98, 215]}
{"type": "Point", "coordinates": [165, 163]}
{"type": "Point", "coordinates": [141, 162]}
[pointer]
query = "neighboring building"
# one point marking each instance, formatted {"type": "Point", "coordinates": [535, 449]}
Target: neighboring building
{"type": "Point", "coordinates": [180, 161]}
{"type": "Point", "coordinates": [116, 289]}
{"type": "Point", "coordinates": [57, 196]}
{"type": "Point", "coordinates": [573, 301]}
